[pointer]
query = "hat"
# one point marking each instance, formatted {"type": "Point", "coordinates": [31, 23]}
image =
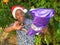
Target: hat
{"type": "Point", "coordinates": [14, 8]}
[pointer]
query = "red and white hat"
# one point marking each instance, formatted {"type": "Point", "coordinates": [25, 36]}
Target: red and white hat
{"type": "Point", "coordinates": [14, 8]}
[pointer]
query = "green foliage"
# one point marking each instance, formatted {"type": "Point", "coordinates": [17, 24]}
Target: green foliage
{"type": "Point", "coordinates": [54, 25]}
{"type": "Point", "coordinates": [38, 40]}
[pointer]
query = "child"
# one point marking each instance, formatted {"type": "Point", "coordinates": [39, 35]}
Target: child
{"type": "Point", "coordinates": [21, 26]}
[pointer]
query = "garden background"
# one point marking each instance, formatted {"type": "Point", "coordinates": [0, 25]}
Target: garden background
{"type": "Point", "coordinates": [54, 26]}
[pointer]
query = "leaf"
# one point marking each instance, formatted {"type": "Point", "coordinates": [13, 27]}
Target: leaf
{"type": "Point", "coordinates": [43, 2]}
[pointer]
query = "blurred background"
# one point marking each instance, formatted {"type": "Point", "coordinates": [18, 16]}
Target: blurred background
{"type": "Point", "coordinates": [53, 38]}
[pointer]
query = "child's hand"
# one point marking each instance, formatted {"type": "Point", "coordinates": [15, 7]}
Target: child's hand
{"type": "Point", "coordinates": [44, 30]}
{"type": "Point", "coordinates": [17, 26]}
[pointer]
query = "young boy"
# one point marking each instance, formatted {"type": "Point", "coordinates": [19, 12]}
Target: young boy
{"type": "Point", "coordinates": [21, 26]}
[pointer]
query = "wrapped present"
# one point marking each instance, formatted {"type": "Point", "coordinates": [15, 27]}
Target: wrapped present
{"type": "Point", "coordinates": [41, 19]}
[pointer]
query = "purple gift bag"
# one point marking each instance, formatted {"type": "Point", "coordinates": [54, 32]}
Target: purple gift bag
{"type": "Point", "coordinates": [41, 19]}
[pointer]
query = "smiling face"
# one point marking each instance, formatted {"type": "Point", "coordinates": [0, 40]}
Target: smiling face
{"type": "Point", "coordinates": [19, 15]}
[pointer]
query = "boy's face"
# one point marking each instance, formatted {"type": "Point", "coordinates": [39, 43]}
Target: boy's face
{"type": "Point", "coordinates": [19, 16]}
